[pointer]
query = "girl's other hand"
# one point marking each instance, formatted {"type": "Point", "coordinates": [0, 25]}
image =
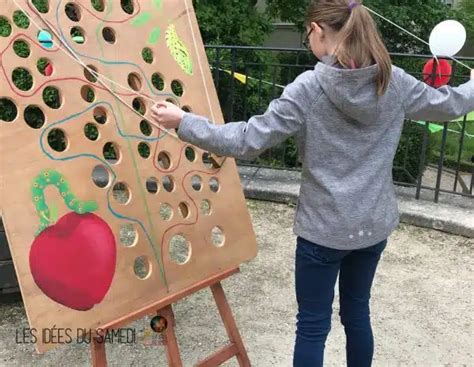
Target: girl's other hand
{"type": "Point", "coordinates": [167, 114]}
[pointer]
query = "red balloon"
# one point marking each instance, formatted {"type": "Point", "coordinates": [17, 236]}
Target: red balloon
{"type": "Point", "coordinates": [48, 70]}
{"type": "Point", "coordinates": [437, 73]}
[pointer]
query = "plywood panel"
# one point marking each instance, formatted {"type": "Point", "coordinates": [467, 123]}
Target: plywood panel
{"type": "Point", "coordinates": [75, 271]}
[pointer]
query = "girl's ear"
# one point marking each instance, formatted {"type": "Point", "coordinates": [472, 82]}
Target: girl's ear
{"type": "Point", "coordinates": [317, 29]}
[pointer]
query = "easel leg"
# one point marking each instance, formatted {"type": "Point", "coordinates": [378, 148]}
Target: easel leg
{"type": "Point", "coordinates": [171, 344]}
{"type": "Point", "coordinates": [229, 323]}
{"type": "Point", "coordinates": [99, 358]}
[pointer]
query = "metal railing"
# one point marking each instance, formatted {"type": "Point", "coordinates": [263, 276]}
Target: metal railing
{"type": "Point", "coordinates": [249, 78]}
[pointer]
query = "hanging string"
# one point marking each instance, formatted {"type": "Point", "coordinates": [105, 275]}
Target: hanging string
{"type": "Point", "coordinates": [73, 55]}
{"type": "Point", "coordinates": [412, 34]}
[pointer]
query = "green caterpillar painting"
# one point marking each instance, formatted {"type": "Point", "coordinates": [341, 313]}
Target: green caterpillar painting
{"type": "Point", "coordinates": [178, 50]}
{"type": "Point", "coordinates": [47, 216]}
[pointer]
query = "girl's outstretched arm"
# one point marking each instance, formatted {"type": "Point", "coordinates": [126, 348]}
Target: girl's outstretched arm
{"type": "Point", "coordinates": [422, 102]}
{"type": "Point", "coordinates": [283, 118]}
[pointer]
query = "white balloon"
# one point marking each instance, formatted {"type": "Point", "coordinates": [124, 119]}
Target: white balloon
{"type": "Point", "coordinates": [447, 38]}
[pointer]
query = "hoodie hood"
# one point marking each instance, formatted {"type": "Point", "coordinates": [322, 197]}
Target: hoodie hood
{"type": "Point", "coordinates": [352, 91]}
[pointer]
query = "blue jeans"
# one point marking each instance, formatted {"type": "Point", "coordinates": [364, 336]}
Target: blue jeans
{"type": "Point", "coordinates": [316, 272]}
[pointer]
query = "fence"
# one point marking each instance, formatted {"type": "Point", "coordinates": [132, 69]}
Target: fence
{"type": "Point", "coordinates": [435, 157]}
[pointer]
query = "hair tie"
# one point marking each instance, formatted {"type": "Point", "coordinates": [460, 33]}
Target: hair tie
{"type": "Point", "coordinates": [353, 4]}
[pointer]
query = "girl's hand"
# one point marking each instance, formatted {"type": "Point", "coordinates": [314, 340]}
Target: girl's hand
{"type": "Point", "coordinates": [167, 114]}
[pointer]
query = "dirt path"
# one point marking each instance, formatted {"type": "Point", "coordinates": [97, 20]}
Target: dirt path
{"type": "Point", "coordinates": [422, 304]}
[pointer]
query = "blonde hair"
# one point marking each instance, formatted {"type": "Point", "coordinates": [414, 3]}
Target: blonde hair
{"type": "Point", "coordinates": [360, 42]}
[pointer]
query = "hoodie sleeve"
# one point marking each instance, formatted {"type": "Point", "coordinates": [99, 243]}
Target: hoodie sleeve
{"type": "Point", "coordinates": [246, 140]}
{"type": "Point", "coordinates": [422, 102]}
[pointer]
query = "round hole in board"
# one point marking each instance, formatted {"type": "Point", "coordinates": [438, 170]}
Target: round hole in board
{"type": "Point", "coordinates": [91, 131]}
{"type": "Point", "coordinates": [166, 211]}
{"type": "Point", "coordinates": [45, 66]}
{"type": "Point", "coordinates": [139, 105]}
{"type": "Point", "coordinates": [207, 161]}
{"type": "Point", "coordinates": [45, 39]}
{"type": "Point", "coordinates": [57, 140]}
{"type": "Point", "coordinates": [190, 154]}
{"type": "Point", "coordinates": [20, 19]}
{"type": "Point", "coordinates": [101, 176]}
{"type": "Point", "coordinates": [100, 115]}
{"type": "Point", "coordinates": [109, 35]}
{"type": "Point", "coordinates": [22, 79]}
{"type": "Point", "coordinates": [206, 207]}
{"type": "Point", "coordinates": [121, 193]}
{"type": "Point", "coordinates": [168, 183]}
{"type": "Point", "coordinates": [177, 88]}
{"type": "Point", "coordinates": [127, 6]}
{"type": "Point", "coordinates": [52, 97]}
{"type": "Point", "coordinates": [90, 76]}
{"type": "Point", "coordinates": [21, 48]}
{"type": "Point", "coordinates": [34, 117]}
{"type": "Point", "coordinates": [5, 27]}
{"type": "Point", "coordinates": [184, 210]}
{"type": "Point", "coordinates": [214, 184]}
{"type": "Point", "coordinates": [152, 185]}
{"type": "Point", "coordinates": [134, 81]}
{"type": "Point", "coordinates": [158, 81]}
{"type": "Point", "coordinates": [78, 35]}
{"type": "Point", "coordinates": [196, 183]}
{"type": "Point", "coordinates": [144, 150]}
{"type": "Point", "coordinates": [41, 5]}
{"type": "Point", "coordinates": [128, 235]}
{"type": "Point", "coordinates": [145, 128]}
{"type": "Point", "coordinates": [218, 237]}
{"type": "Point", "coordinates": [98, 5]}
{"type": "Point", "coordinates": [111, 153]}
{"type": "Point", "coordinates": [87, 94]}
{"type": "Point", "coordinates": [147, 55]}
{"type": "Point", "coordinates": [73, 12]}
{"type": "Point", "coordinates": [164, 160]}
{"type": "Point", "coordinates": [8, 110]}
{"type": "Point", "coordinates": [179, 249]}
{"type": "Point", "coordinates": [142, 267]}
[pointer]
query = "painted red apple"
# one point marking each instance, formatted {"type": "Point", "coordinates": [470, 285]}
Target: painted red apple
{"type": "Point", "coordinates": [73, 261]}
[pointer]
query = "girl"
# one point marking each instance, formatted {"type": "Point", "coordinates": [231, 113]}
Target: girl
{"type": "Point", "coordinates": [347, 115]}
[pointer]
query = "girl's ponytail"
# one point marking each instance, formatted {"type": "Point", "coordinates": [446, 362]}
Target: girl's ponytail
{"type": "Point", "coordinates": [360, 44]}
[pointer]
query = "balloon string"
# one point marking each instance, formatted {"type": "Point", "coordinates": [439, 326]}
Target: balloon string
{"type": "Point", "coordinates": [412, 34]}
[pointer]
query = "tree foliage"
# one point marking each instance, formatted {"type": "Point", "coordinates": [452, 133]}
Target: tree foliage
{"type": "Point", "coordinates": [232, 22]}
{"type": "Point", "coordinates": [466, 7]}
{"type": "Point", "coordinates": [416, 16]}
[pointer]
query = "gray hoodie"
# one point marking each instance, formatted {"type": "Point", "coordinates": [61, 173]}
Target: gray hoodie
{"type": "Point", "coordinates": [347, 138]}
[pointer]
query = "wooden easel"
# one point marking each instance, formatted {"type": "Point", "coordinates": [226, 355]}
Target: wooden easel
{"type": "Point", "coordinates": [164, 308]}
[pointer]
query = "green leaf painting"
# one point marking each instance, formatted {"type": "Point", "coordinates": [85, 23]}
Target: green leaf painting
{"type": "Point", "coordinates": [178, 50]}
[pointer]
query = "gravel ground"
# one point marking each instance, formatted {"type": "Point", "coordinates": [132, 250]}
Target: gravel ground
{"type": "Point", "coordinates": [422, 304]}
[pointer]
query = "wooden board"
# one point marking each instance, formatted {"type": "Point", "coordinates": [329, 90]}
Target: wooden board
{"type": "Point", "coordinates": [86, 269]}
